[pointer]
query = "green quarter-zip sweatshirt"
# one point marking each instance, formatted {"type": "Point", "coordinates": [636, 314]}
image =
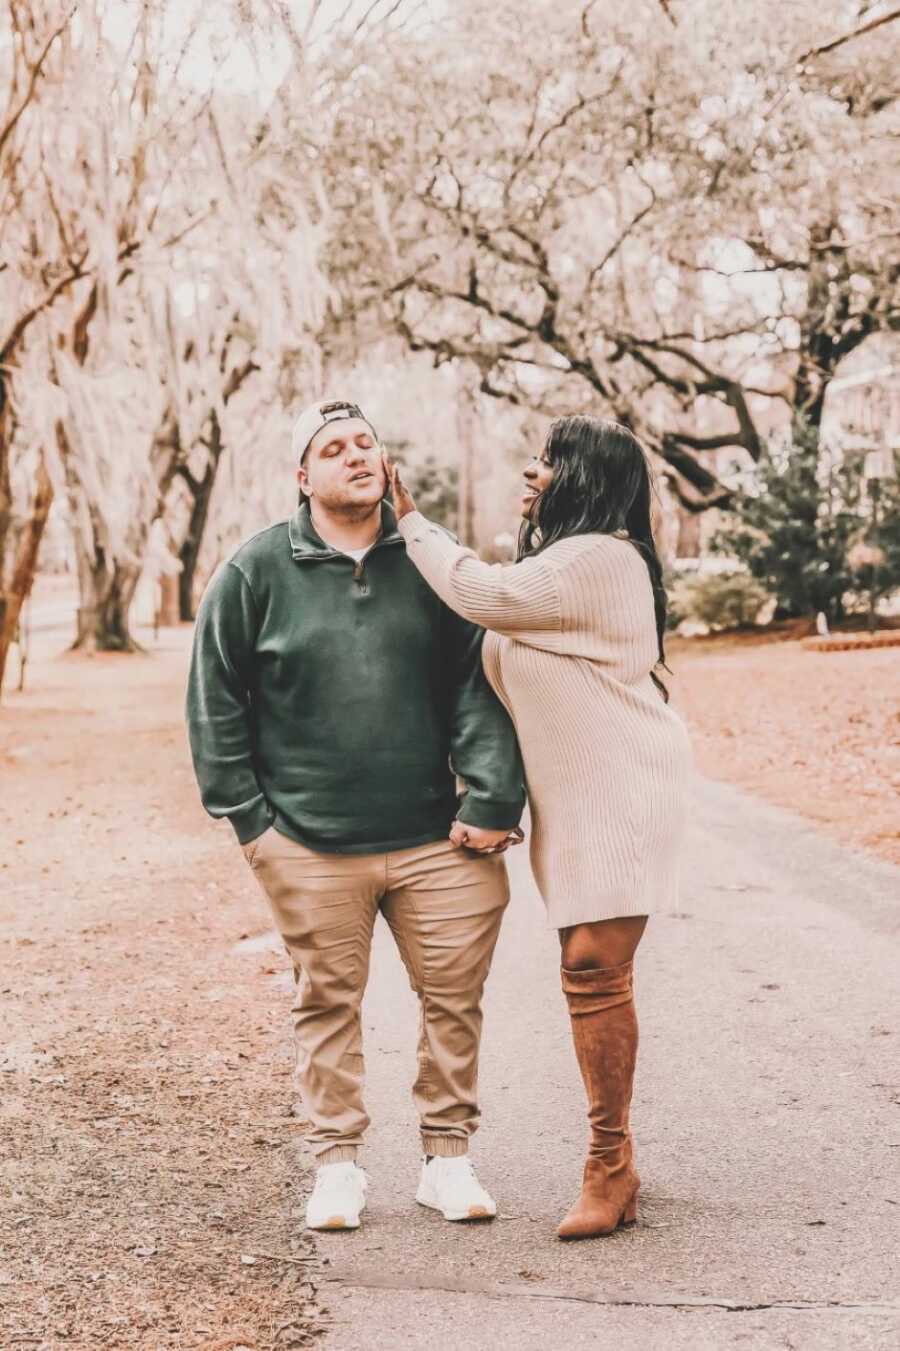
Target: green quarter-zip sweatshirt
{"type": "Point", "coordinates": [338, 701]}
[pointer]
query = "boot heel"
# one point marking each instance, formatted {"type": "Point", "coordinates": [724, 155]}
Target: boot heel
{"type": "Point", "coordinates": [630, 1215]}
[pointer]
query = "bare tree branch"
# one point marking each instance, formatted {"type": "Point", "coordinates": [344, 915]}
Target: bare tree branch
{"type": "Point", "coordinates": [237, 378]}
{"type": "Point", "coordinates": [314, 8]}
{"type": "Point", "coordinates": [376, 4]}
{"type": "Point", "coordinates": [338, 22]}
{"type": "Point", "coordinates": [585, 19]}
{"type": "Point", "coordinates": [869, 27]}
{"type": "Point", "coordinates": [559, 125]}
{"type": "Point", "coordinates": [617, 243]}
{"type": "Point", "coordinates": [81, 327]}
{"type": "Point", "coordinates": [712, 492]}
{"type": "Point", "coordinates": [36, 71]}
{"type": "Point", "coordinates": [177, 237]}
{"type": "Point", "coordinates": [19, 328]}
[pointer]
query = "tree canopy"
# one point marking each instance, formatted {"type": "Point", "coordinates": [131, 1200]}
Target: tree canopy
{"type": "Point", "coordinates": [676, 214]}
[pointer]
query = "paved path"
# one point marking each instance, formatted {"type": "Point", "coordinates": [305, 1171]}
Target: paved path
{"type": "Point", "coordinates": [767, 1111]}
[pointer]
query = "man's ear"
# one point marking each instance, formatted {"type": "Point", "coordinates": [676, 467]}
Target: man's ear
{"type": "Point", "coordinates": [303, 480]}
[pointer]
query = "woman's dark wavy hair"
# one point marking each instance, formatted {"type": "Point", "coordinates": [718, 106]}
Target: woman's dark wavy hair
{"type": "Point", "coordinates": [602, 484]}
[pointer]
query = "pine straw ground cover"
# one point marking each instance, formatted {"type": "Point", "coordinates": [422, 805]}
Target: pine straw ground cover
{"type": "Point", "coordinates": [817, 732]}
{"type": "Point", "coordinates": [151, 1179]}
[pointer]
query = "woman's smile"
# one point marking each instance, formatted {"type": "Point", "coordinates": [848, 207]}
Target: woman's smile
{"type": "Point", "coordinates": [538, 477]}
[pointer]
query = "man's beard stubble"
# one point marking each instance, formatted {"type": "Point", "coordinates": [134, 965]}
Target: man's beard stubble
{"type": "Point", "coordinates": [354, 513]}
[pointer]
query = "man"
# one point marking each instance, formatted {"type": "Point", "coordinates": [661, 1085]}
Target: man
{"type": "Point", "coordinates": [332, 701]}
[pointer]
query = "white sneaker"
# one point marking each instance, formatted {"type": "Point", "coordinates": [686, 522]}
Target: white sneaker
{"type": "Point", "coordinates": [451, 1186]}
{"type": "Point", "coordinates": [338, 1198]}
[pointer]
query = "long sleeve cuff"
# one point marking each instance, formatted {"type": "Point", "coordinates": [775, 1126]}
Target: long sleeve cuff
{"type": "Point", "coordinates": [489, 813]}
{"type": "Point", "coordinates": [251, 819]}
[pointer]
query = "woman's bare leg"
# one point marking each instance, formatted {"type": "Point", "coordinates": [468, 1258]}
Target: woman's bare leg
{"type": "Point", "coordinates": [607, 942]}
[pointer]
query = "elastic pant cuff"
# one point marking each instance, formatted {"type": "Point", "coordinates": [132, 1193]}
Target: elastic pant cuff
{"type": "Point", "coordinates": [337, 1154]}
{"type": "Point", "coordinates": [445, 1146]}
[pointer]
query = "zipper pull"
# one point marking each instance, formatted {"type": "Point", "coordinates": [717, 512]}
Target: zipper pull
{"type": "Point", "coordinates": [358, 576]}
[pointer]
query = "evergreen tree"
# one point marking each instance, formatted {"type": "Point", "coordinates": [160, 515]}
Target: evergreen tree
{"type": "Point", "coordinates": [797, 519]}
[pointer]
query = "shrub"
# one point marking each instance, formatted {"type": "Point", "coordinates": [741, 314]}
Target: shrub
{"type": "Point", "coordinates": [797, 522]}
{"type": "Point", "coordinates": [721, 600]}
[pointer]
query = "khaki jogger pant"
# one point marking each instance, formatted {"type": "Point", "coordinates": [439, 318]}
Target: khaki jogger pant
{"type": "Point", "coordinates": [444, 906]}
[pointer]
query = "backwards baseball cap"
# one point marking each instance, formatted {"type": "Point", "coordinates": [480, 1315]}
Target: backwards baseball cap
{"type": "Point", "coordinates": [317, 416]}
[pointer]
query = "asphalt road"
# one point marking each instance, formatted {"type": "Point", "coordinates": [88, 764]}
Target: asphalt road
{"type": "Point", "coordinates": [767, 1116]}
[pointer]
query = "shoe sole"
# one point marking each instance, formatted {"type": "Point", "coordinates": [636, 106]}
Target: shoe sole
{"type": "Point", "coordinates": [473, 1214]}
{"type": "Point", "coordinates": [334, 1222]}
{"type": "Point", "coordinates": [601, 1233]}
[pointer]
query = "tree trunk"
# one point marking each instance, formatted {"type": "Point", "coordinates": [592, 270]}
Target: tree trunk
{"type": "Point", "coordinates": [25, 565]}
{"type": "Point", "coordinates": [689, 533]}
{"type": "Point", "coordinates": [106, 594]}
{"type": "Point", "coordinates": [5, 476]}
{"type": "Point", "coordinates": [167, 612]}
{"type": "Point", "coordinates": [189, 553]}
{"type": "Point", "coordinates": [201, 491]}
{"type": "Point", "coordinates": [465, 512]}
{"type": "Point", "coordinates": [106, 584]}
{"type": "Point", "coordinates": [105, 587]}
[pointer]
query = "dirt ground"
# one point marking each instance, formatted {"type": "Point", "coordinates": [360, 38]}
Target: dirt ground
{"type": "Point", "coordinates": [817, 732]}
{"type": "Point", "coordinates": [145, 1067]}
{"type": "Point", "coordinates": [151, 1178]}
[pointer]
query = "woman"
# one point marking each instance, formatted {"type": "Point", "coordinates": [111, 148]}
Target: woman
{"type": "Point", "coordinates": [575, 632]}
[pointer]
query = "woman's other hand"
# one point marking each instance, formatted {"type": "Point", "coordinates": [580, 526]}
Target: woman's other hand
{"type": "Point", "coordinates": [403, 499]}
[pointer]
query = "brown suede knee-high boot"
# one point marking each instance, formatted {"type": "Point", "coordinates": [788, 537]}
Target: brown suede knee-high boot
{"type": "Point", "coordinates": [605, 1032]}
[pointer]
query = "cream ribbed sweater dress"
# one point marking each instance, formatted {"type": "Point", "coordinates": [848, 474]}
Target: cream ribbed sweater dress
{"type": "Point", "coordinates": [570, 645]}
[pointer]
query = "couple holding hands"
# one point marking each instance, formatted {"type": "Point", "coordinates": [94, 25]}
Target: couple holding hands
{"type": "Point", "coordinates": [368, 703]}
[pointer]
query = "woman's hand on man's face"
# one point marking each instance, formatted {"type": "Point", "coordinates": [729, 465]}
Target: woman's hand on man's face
{"type": "Point", "coordinates": [403, 499]}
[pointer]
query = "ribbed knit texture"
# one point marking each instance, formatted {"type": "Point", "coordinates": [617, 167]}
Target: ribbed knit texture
{"type": "Point", "coordinates": [571, 644]}
{"type": "Point", "coordinates": [445, 1146]}
{"type": "Point", "coordinates": [337, 1154]}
